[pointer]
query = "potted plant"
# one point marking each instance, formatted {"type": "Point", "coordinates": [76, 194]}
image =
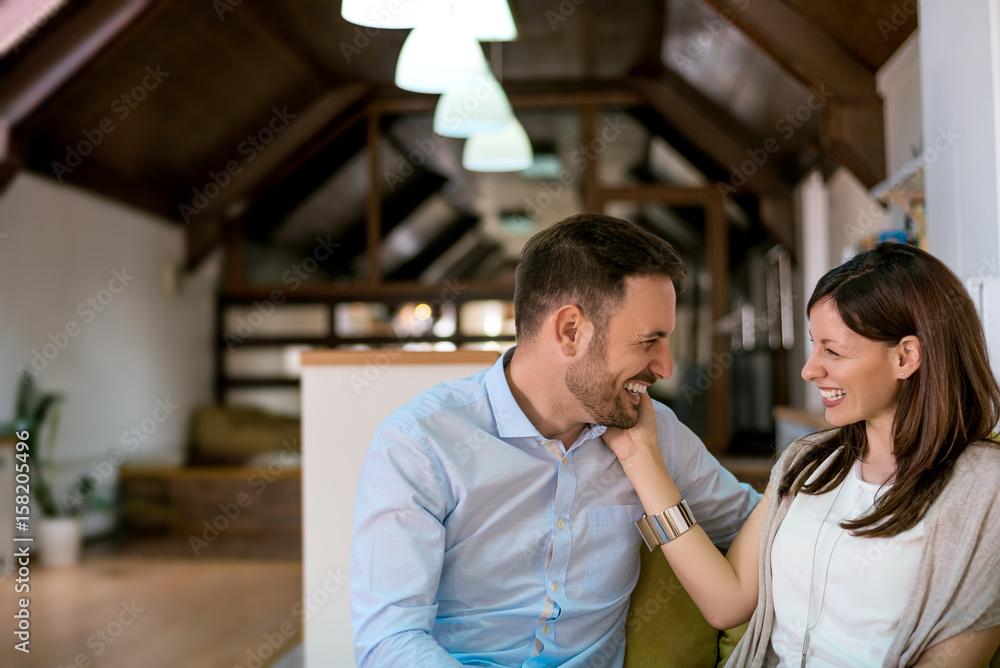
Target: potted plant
{"type": "Point", "coordinates": [58, 530]}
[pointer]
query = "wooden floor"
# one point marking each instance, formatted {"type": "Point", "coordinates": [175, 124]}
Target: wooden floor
{"type": "Point", "coordinates": [126, 610]}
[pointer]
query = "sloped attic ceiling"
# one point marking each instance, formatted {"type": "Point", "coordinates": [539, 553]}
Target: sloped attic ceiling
{"type": "Point", "coordinates": [168, 110]}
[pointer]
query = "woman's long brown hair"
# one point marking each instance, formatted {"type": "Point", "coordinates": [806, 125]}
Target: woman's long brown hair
{"type": "Point", "coordinates": [884, 294]}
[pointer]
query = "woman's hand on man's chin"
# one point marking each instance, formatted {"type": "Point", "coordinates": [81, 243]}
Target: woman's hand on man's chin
{"type": "Point", "coordinates": [631, 444]}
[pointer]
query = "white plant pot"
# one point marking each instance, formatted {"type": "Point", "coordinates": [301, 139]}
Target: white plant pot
{"type": "Point", "coordinates": [59, 540]}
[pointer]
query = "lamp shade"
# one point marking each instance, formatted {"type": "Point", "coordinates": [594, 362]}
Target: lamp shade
{"type": "Point", "coordinates": [508, 150]}
{"type": "Point", "coordinates": [438, 56]}
{"type": "Point", "coordinates": [489, 20]}
{"type": "Point", "coordinates": [386, 13]}
{"type": "Point", "coordinates": [465, 112]}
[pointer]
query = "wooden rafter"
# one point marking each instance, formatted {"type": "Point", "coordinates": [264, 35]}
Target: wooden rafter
{"type": "Point", "coordinates": [311, 128]}
{"type": "Point", "coordinates": [852, 131]}
{"type": "Point", "coordinates": [712, 130]}
{"type": "Point", "coordinates": [803, 49]}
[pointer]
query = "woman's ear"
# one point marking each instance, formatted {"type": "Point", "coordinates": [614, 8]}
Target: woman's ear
{"type": "Point", "coordinates": [572, 330]}
{"type": "Point", "coordinates": [908, 354]}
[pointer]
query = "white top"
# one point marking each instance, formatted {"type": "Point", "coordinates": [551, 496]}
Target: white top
{"type": "Point", "coordinates": [867, 580]}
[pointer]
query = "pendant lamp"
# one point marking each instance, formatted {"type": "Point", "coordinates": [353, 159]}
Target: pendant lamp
{"type": "Point", "coordinates": [488, 20]}
{"type": "Point", "coordinates": [439, 55]}
{"type": "Point", "coordinates": [385, 13]}
{"type": "Point", "coordinates": [508, 150]}
{"type": "Point", "coordinates": [467, 111]}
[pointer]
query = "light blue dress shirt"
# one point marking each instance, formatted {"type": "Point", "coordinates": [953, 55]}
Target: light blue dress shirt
{"type": "Point", "coordinates": [479, 542]}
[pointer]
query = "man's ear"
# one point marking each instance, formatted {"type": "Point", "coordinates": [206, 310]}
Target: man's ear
{"type": "Point", "coordinates": [908, 355]}
{"type": "Point", "coordinates": [572, 330]}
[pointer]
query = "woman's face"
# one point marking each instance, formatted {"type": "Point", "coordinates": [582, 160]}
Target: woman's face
{"type": "Point", "coordinates": [858, 378]}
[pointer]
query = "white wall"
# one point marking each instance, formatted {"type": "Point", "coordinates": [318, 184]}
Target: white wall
{"type": "Point", "coordinates": [960, 93]}
{"type": "Point", "coordinates": [60, 246]}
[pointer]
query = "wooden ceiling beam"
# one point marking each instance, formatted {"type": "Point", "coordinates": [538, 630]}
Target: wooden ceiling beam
{"type": "Point", "coordinates": [852, 129]}
{"type": "Point", "coordinates": [714, 132]}
{"type": "Point", "coordinates": [854, 136]}
{"type": "Point", "coordinates": [544, 95]}
{"type": "Point", "coordinates": [270, 26]}
{"type": "Point", "coordinates": [650, 58]}
{"type": "Point", "coordinates": [302, 136]}
{"type": "Point", "coordinates": [800, 47]}
{"type": "Point", "coordinates": [71, 49]}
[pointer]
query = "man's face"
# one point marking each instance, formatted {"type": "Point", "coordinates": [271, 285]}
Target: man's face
{"type": "Point", "coordinates": [633, 351]}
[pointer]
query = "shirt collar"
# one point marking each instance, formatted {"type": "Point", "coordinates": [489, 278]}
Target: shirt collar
{"type": "Point", "coordinates": [511, 420]}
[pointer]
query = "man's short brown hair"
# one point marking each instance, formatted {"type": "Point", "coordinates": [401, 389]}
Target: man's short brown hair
{"type": "Point", "coordinates": [584, 260]}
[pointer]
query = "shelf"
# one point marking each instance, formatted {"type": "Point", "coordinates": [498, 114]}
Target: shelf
{"type": "Point", "coordinates": [905, 190]}
{"type": "Point", "coordinates": [263, 381]}
{"type": "Point", "coordinates": [375, 341]}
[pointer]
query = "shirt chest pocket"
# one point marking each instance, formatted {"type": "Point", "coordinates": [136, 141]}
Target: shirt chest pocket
{"type": "Point", "coordinates": [612, 557]}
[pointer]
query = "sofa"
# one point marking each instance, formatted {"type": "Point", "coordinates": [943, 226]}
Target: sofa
{"type": "Point", "coordinates": [235, 455]}
{"type": "Point", "coordinates": [664, 628]}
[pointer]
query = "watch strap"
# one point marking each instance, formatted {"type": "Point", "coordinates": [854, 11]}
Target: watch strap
{"type": "Point", "coordinates": [665, 526]}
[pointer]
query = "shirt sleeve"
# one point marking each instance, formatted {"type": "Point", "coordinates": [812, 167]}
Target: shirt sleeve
{"type": "Point", "coordinates": [720, 503]}
{"type": "Point", "coordinates": [397, 554]}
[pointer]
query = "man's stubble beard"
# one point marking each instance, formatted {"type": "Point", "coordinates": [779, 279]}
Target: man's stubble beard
{"type": "Point", "coordinates": [593, 386]}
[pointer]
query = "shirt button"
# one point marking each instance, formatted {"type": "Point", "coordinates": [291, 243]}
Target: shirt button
{"type": "Point", "coordinates": [565, 460]}
{"type": "Point", "coordinates": [545, 629]}
{"type": "Point", "coordinates": [555, 586]}
{"type": "Point", "coordinates": [545, 443]}
{"type": "Point", "coordinates": [561, 524]}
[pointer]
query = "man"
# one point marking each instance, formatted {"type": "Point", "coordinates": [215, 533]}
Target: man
{"type": "Point", "coordinates": [493, 526]}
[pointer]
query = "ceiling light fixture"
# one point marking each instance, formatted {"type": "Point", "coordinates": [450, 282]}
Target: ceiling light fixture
{"type": "Point", "coordinates": [438, 56]}
{"type": "Point", "coordinates": [504, 150]}
{"type": "Point", "coordinates": [473, 110]}
{"type": "Point", "coordinates": [385, 13]}
{"type": "Point", "coordinates": [487, 20]}
{"type": "Point", "coordinates": [508, 150]}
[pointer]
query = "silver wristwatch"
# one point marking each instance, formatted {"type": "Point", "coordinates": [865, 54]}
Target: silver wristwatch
{"type": "Point", "coordinates": [664, 526]}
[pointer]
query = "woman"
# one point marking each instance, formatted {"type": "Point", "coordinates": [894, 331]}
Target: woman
{"type": "Point", "coordinates": [876, 543]}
